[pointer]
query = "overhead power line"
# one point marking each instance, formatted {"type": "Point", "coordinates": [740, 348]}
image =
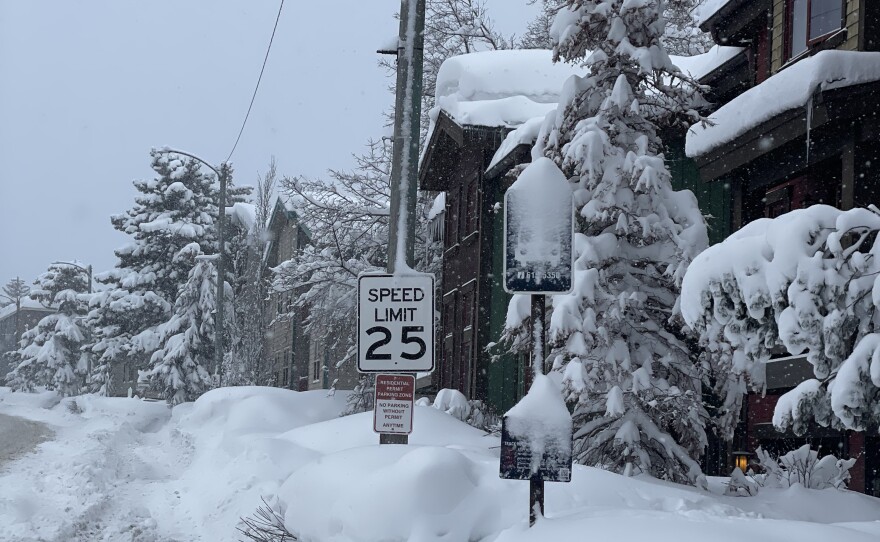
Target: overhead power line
{"type": "Point", "coordinates": [260, 78]}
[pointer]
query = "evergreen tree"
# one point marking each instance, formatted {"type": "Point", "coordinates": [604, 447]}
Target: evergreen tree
{"type": "Point", "coordinates": [16, 289]}
{"type": "Point", "coordinates": [172, 210]}
{"type": "Point", "coordinates": [243, 364]}
{"type": "Point", "coordinates": [186, 340]}
{"type": "Point", "coordinates": [618, 336]}
{"type": "Point", "coordinates": [51, 353]}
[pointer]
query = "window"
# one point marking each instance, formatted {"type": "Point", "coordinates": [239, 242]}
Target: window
{"type": "Point", "coordinates": [811, 21]}
{"type": "Point", "coordinates": [316, 374]}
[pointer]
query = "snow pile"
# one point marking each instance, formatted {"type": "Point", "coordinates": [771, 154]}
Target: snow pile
{"type": "Point", "coordinates": [500, 88]}
{"type": "Point", "coordinates": [124, 469]}
{"type": "Point", "coordinates": [786, 90]}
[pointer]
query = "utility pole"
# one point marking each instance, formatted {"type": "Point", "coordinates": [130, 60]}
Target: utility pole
{"type": "Point", "coordinates": [407, 113]}
{"type": "Point", "coordinates": [405, 152]}
{"type": "Point", "coordinates": [223, 175]}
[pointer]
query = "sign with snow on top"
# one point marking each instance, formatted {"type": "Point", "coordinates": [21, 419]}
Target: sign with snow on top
{"type": "Point", "coordinates": [393, 411]}
{"type": "Point", "coordinates": [538, 231]}
{"type": "Point", "coordinates": [396, 323]}
{"type": "Point", "coordinates": [536, 436]}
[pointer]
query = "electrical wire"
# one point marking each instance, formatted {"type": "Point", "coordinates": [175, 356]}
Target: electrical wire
{"type": "Point", "coordinates": [260, 78]}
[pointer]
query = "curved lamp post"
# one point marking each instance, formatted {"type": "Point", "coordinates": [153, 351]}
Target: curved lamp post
{"type": "Point", "coordinates": [87, 269]}
{"type": "Point", "coordinates": [223, 175]}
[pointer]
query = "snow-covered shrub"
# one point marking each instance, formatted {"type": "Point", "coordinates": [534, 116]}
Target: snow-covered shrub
{"type": "Point", "coordinates": [741, 484]}
{"type": "Point", "coordinates": [362, 396]}
{"type": "Point", "coordinates": [452, 402]}
{"type": "Point", "coordinates": [803, 466]}
{"type": "Point", "coordinates": [806, 281]}
{"type": "Point", "coordinates": [473, 412]}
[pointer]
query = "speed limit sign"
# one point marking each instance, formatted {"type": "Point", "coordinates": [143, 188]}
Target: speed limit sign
{"type": "Point", "coordinates": [395, 323]}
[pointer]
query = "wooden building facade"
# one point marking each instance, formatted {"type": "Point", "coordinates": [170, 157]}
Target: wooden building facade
{"type": "Point", "coordinates": [823, 150]}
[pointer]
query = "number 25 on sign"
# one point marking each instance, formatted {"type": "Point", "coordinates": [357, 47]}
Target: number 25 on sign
{"type": "Point", "coordinates": [395, 323]}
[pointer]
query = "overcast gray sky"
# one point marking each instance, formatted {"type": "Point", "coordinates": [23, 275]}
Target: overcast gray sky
{"type": "Point", "coordinates": [88, 87]}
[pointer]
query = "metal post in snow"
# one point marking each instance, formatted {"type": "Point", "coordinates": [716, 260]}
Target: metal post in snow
{"type": "Point", "coordinates": [405, 152]}
{"type": "Point", "coordinates": [539, 340]}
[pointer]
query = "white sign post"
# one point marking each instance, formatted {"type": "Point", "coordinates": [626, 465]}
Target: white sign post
{"type": "Point", "coordinates": [395, 323]}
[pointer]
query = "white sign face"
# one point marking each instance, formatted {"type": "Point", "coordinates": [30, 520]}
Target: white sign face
{"type": "Point", "coordinates": [393, 409]}
{"type": "Point", "coordinates": [395, 323]}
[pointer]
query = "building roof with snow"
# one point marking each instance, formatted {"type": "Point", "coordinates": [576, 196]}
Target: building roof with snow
{"type": "Point", "coordinates": [483, 96]}
{"type": "Point", "coordinates": [27, 304]}
{"type": "Point", "coordinates": [791, 94]}
{"type": "Point", "coordinates": [698, 66]}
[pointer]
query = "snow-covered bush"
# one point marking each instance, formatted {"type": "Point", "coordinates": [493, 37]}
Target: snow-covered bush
{"type": "Point", "coordinates": [473, 412]}
{"type": "Point", "coordinates": [806, 281]}
{"type": "Point", "coordinates": [741, 484]}
{"type": "Point", "coordinates": [628, 366]}
{"type": "Point", "coordinates": [803, 466]}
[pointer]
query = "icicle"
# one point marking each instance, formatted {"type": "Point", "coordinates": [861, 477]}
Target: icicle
{"type": "Point", "coordinates": [809, 124]}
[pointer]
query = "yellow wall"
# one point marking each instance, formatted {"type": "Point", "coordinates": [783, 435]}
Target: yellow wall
{"type": "Point", "coordinates": [777, 54]}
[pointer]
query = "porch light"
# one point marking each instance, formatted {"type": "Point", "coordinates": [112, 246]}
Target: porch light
{"type": "Point", "coordinates": [741, 460]}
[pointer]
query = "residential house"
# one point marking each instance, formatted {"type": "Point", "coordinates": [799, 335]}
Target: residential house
{"type": "Point", "coordinates": [297, 360]}
{"type": "Point", "coordinates": [15, 319]}
{"type": "Point", "coordinates": [796, 124]}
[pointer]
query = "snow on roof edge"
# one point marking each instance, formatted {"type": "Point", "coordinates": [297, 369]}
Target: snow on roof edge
{"type": "Point", "coordinates": [784, 91]}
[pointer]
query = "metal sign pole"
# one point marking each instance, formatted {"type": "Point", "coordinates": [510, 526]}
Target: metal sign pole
{"type": "Point", "coordinates": [539, 340]}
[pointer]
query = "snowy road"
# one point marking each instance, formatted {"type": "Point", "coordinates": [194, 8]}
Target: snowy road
{"type": "Point", "coordinates": [19, 436]}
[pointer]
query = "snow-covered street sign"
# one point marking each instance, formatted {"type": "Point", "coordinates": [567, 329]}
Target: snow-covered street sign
{"type": "Point", "coordinates": [536, 436]}
{"type": "Point", "coordinates": [395, 323]}
{"type": "Point", "coordinates": [393, 410]}
{"type": "Point", "coordinates": [538, 231]}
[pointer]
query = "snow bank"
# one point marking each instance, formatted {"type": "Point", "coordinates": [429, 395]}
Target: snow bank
{"type": "Point", "coordinates": [397, 493]}
{"type": "Point", "coordinates": [112, 474]}
{"type": "Point", "coordinates": [788, 89]}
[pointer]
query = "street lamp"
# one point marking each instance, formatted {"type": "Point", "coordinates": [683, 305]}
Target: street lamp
{"type": "Point", "coordinates": [222, 174]}
{"type": "Point", "coordinates": [87, 269]}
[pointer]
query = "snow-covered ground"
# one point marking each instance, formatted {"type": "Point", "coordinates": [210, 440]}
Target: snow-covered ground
{"type": "Point", "coordinates": [124, 469]}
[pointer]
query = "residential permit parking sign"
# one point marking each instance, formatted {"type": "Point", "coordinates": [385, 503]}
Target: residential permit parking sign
{"type": "Point", "coordinates": [393, 412]}
{"type": "Point", "coordinates": [395, 323]}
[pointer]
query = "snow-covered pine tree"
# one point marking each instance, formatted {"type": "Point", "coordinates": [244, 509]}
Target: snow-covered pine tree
{"type": "Point", "coordinates": [172, 210]}
{"type": "Point", "coordinates": [681, 37]}
{"type": "Point", "coordinates": [186, 341]}
{"type": "Point", "coordinates": [51, 353]}
{"type": "Point", "coordinates": [618, 336]}
{"type": "Point", "coordinates": [14, 291]}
